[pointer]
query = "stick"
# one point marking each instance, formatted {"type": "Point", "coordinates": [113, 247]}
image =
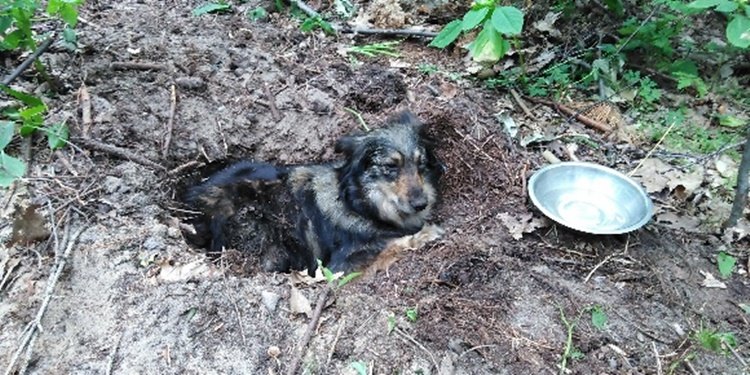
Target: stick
{"type": "Point", "coordinates": [181, 168]}
{"type": "Point", "coordinates": [300, 350]}
{"type": "Point", "coordinates": [648, 155]}
{"type": "Point", "coordinates": [570, 112]}
{"type": "Point", "coordinates": [84, 100]}
{"type": "Point", "coordinates": [36, 324]}
{"type": "Point", "coordinates": [740, 196]}
{"type": "Point", "coordinates": [521, 104]}
{"type": "Point", "coordinates": [415, 342]}
{"type": "Point", "coordinates": [127, 65]}
{"type": "Point", "coordinates": [170, 124]}
{"type": "Point", "coordinates": [272, 103]}
{"type": "Point", "coordinates": [111, 363]}
{"type": "Point", "coordinates": [29, 60]}
{"type": "Point", "coordinates": [658, 360]}
{"type": "Point", "coordinates": [606, 259]}
{"type": "Point", "coordinates": [359, 118]}
{"type": "Point", "coordinates": [120, 152]}
{"type": "Point", "coordinates": [335, 341]}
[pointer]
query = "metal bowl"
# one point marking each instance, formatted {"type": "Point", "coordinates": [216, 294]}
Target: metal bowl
{"type": "Point", "coordinates": [590, 198]}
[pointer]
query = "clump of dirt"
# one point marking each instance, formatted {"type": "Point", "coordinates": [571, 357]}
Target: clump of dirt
{"type": "Point", "coordinates": [374, 88]}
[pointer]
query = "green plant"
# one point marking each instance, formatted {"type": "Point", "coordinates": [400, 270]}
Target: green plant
{"type": "Point", "coordinates": [360, 367]}
{"type": "Point", "coordinates": [412, 314]}
{"type": "Point", "coordinates": [726, 264]}
{"type": "Point", "coordinates": [331, 277]}
{"type": "Point", "coordinates": [312, 23]}
{"type": "Point", "coordinates": [372, 50]}
{"type": "Point", "coordinates": [428, 69]}
{"type": "Point", "coordinates": [257, 14]}
{"type": "Point", "coordinates": [738, 11]}
{"type": "Point", "coordinates": [391, 323]}
{"type": "Point", "coordinates": [497, 21]}
{"type": "Point", "coordinates": [212, 7]}
{"type": "Point", "coordinates": [598, 318]}
{"type": "Point", "coordinates": [570, 351]}
{"type": "Point", "coordinates": [648, 93]}
{"type": "Point", "coordinates": [717, 342]}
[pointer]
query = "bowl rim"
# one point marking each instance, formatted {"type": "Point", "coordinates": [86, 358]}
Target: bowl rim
{"type": "Point", "coordinates": [649, 205]}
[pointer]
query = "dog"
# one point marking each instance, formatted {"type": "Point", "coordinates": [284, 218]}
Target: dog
{"type": "Point", "coordinates": [344, 213]}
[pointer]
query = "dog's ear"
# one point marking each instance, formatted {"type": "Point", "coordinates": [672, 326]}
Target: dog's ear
{"type": "Point", "coordinates": [348, 144]}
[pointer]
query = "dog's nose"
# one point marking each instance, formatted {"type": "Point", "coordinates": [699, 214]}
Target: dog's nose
{"type": "Point", "coordinates": [419, 202]}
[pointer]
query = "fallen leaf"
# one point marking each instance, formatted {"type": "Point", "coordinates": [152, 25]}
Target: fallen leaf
{"type": "Point", "coordinates": [547, 24]}
{"type": "Point", "coordinates": [298, 303]}
{"type": "Point", "coordinates": [196, 270]}
{"type": "Point", "coordinates": [725, 166]}
{"type": "Point", "coordinates": [672, 220]}
{"type": "Point", "coordinates": [509, 125]}
{"type": "Point", "coordinates": [711, 282]}
{"type": "Point", "coordinates": [653, 175]}
{"type": "Point", "coordinates": [517, 226]}
{"type": "Point", "coordinates": [302, 277]}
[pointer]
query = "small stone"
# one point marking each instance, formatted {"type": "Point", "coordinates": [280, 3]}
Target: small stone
{"type": "Point", "coordinates": [173, 232]}
{"type": "Point", "coordinates": [274, 351]}
{"type": "Point", "coordinates": [270, 300]}
{"type": "Point", "coordinates": [153, 243]}
{"type": "Point", "coordinates": [190, 83]}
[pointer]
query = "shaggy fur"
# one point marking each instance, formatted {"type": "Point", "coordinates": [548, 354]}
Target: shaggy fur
{"type": "Point", "coordinates": [344, 213]}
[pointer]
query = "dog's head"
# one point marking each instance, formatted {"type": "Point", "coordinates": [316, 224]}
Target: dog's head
{"type": "Point", "coordinates": [391, 174]}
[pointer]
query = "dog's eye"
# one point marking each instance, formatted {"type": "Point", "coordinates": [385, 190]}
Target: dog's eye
{"type": "Point", "coordinates": [391, 166]}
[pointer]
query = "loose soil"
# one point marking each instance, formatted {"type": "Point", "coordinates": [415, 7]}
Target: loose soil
{"type": "Point", "coordinates": [135, 297]}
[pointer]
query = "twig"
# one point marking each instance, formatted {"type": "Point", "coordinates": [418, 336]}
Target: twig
{"type": "Point", "coordinates": [691, 368]}
{"type": "Point", "coordinates": [740, 196]}
{"type": "Point", "coordinates": [476, 348]}
{"type": "Point", "coordinates": [300, 350]}
{"type": "Point", "coordinates": [66, 163]}
{"type": "Point", "coordinates": [596, 267]}
{"type": "Point", "coordinates": [648, 155]}
{"type": "Point", "coordinates": [120, 152]}
{"type": "Point", "coordinates": [736, 355]}
{"type": "Point", "coordinates": [272, 103]}
{"type": "Point", "coordinates": [415, 342]}
{"type": "Point", "coordinates": [570, 112]}
{"type": "Point", "coordinates": [335, 341]}
{"type": "Point", "coordinates": [128, 65]}
{"type": "Point", "coordinates": [658, 360]}
{"type": "Point", "coordinates": [385, 32]}
{"type": "Point", "coordinates": [181, 168]}
{"type": "Point", "coordinates": [170, 124]}
{"type": "Point", "coordinates": [84, 100]}
{"type": "Point", "coordinates": [36, 324]}
{"type": "Point", "coordinates": [359, 118]}
{"type": "Point", "coordinates": [113, 355]}
{"type": "Point", "coordinates": [29, 60]}
{"type": "Point", "coordinates": [521, 104]}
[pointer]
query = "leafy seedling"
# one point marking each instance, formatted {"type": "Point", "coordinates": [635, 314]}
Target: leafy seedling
{"type": "Point", "coordinates": [496, 21]}
{"type": "Point", "coordinates": [257, 14]}
{"type": "Point", "coordinates": [360, 367]}
{"type": "Point", "coordinates": [217, 7]}
{"type": "Point", "coordinates": [312, 23]}
{"type": "Point", "coordinates": [57, 136]}
{"type": "Point", "coordinates": [10, 169]}
{"type": "Point", "coordinates": [412, 314]}
{"type": "Point", "coordinates": [331, 277]}
{"type": "Point", "coordinates": [375, 49]}
{"type": "Point", "coordinates": [716, 342]}
{"type": "Point", "coordinates": [726, 264]}
{"type": "Point", "coordinates": [598, 318]}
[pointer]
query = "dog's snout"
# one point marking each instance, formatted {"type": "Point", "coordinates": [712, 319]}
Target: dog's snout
{"type": "Point", "coordinates": [417, 200]}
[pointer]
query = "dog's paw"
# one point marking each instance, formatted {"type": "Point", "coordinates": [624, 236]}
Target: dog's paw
{"type": "Point", "coordinates": [429, 233]}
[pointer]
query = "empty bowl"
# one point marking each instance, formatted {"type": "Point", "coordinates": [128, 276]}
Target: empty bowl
{"type": "Point", "coordinates": [590, 198]}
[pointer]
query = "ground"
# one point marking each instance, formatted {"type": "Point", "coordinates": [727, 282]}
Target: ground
{"type": "Point", "coordinates": [134, 297]}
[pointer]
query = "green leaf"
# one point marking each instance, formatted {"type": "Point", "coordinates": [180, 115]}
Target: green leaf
{"type": "Point", "coordinates": [69, 14]}
{"type": "Point", "coordinates": [10, 169]}
{"type": "Point", "coordinates": [348, 278]}
{"type": "Point", "coordinates": [473, 18]}
{"type": "Point", "coordinates": [6, 133]}
{"type": "Point", "coordinates": [727, 6]}
{"type": "Point", "coordinates": [69, 35]}
{"type": "Point", "coordinates": [27, 99]}
{"type": "Point", "coordinates": [745, 307]}
{"type": "Point", "coordinates": [360, 367]}
{"type": "Point", "coordinates": [507, 20]}
{"type": "Point", "coordinates": [54, 6]}
{"type": "Point", "coordinates": [447, 35]}
{"type": "Point", "coordinates": [412, 314]}
{"type": "Point", "coordinates": [738, 31]}
{"type": "Point", "coordinates": [731, 121]}
{"type": "Point", "coordinates": [257, 14]}
{"type": "Point", "coordinates": [726, 264]}
{"type": "Point", "coordinates": [704, 4]}
{"type": "Point", "coordinates": [615, 6]}
{"type": "Point", "coordinates": [57, 136]}
{"type": "Point", "coordinates": [32, 112]}
{"type": "Point", "coordinates": [211, 8]}
{"type": "Point", "coordinates": [5, 22]}
{"type": "Point", "coordinates": [598, 318]}
{"type": "Point", "coordinates": [489, 46]}
{"type": "Point", "coordinates": [392, 323]}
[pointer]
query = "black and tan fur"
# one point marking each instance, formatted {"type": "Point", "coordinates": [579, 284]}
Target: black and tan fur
{"type": "Point", "coordinates": [344, 213]}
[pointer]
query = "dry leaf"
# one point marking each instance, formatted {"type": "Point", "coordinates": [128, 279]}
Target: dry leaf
{"type": "Point", "coordinates": [711, 282]}
{"type": "Point", "coordinates": [196, 270]}
{"type": "Point", "coordinates": [526, 223]}
{"type": "Point", "coordinates": [28, 226]}
{"type": "Point", "coordinates": [298, 303]}
{"type": "Point", "coordinates": [672, 220]}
